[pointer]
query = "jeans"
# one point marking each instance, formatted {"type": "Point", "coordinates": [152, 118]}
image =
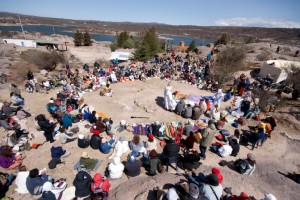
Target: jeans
{"type": "Point", "coordinates": [202, 151]}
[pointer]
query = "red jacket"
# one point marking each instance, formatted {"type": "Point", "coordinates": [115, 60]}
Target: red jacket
{"type": "Point", "coordinates": [97, 182]}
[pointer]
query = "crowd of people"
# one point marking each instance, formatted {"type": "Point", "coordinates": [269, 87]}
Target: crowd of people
{"type": "Point", "coordinates": [177, 140]}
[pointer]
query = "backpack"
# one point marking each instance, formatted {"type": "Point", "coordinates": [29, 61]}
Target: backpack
{"type": "Point", "coordinates": [241, 165]}
{"type": "Point", "coordinates": [98, 192]}
{"type": "Point", "coordinates": [54, 162]}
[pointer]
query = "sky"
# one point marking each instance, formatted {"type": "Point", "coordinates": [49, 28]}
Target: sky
{"type": "Point", "coordinates": [258, 13]}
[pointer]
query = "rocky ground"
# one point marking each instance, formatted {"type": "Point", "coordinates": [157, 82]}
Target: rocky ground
{"type": "Point", "coordinates": [281, 153]}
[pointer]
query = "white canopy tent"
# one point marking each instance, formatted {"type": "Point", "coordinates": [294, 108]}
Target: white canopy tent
{"type": "Point", "coordinates": [121, 56]}
{"type": "Point", "coordinates": [276, 69]}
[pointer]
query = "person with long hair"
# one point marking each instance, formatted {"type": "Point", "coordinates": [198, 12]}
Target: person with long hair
{"type": "Point", "coordinates": [8, 159]}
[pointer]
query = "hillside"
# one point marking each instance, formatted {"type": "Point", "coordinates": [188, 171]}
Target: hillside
{"type": "Point", "coordinates": [282, 35]}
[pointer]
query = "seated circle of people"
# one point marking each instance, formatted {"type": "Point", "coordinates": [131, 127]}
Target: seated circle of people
{"type": "Point", "coordinates": [153, 145]}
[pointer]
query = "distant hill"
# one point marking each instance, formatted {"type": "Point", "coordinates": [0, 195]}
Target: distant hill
{"type": "Point", "coordinates": [285, 35]}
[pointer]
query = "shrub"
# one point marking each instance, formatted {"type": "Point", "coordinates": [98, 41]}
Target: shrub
{"type": "Point", "coordinates": [192, 46]}
{"type": "Point", "coordinates": [224, 39]}
{"type": "Point", "coordinates": [228, 62]}
{"type": "Point", "coordinates": [250, 39]}
{"type": "Point", "coordinates": [122, 38]}
{"type": "Point", "coordinates": [113, 46]}
{"type": "Point", "coordinates": [78, 39]}
{"type": "Point", "coordinates": [264, 55]}
{"type": "Point", "coordinates": [44, 60]}
{"type": "Point", "coordinates": [22, 74]}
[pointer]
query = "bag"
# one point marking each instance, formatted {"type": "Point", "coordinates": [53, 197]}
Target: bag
{"type": "Point", "coordinates": [241, 121]}
{"type": "Point", "coordinates": [235, 124]}
{"type": "Point", "coordinates": [160, 168]}
{"type": "Point", "coordinates": [54, 162]}
{"type": "Point", "coordinates": [220, 137]}
{"type": "Point", "coordinates": [76, 119]}
{"type": "Point", "coordinates": [241, 165]}
{"type": "Point", "coordinates": [198, 137]}
{"type": "Point", "coordinates": [257, 118]}
{"type": "Point", "coordinates": [225, 132]}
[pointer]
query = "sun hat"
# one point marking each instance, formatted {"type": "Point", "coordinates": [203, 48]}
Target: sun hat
{"type": "Point", "coordinates": [269, 197]}
{"type": "Point", "coordinates": [80, 136]}
{"type": "Point", "coordinates": [47, 186]}
{"type": "Point", "coordinates": [251, 157]}
{"type": "Point", "coordinates": [85, 154]}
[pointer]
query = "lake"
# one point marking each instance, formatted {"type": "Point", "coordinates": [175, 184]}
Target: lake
{"type": "Point", "coordinates": [64, 30]}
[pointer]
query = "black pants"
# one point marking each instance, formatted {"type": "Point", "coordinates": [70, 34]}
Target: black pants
{"type": "Point", "coordinates": [202, 151]}
{"type": "Point", "coordinates": [49, 136]}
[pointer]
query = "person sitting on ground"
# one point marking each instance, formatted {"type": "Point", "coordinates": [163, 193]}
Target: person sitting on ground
{"type": "Point", "coordinates": [218, 173]}
{"type": "Point", "coordinates": [57, 151]}
{"type": "Point", "coordinates": [115, 168]}
{"type": "Point", "coordinates": [62, 137]}
{"type": "Point", "coordinates": [189, 141]}
{"type": "Point", "coordinates": [53, 191]}
{"type": "Point", "coordinates": [151, 144]}
{"type": "Point", "coordinates": [93, 118]}
{"type": "Point", "coordinates": [196, 112]}
{"type": "Point", "coordinates": [5, 181]}
{"type": "Point", "coordinates": [224, 151]}
{"type": "Point", "coordinates": [100, 126]}
{"type": "Point", "coordinates": [152, 164]}
{"type": "Point", "coordinates": [82, 141]}
{"type": "Point", "coordinates": [82, 183]}
{"type": "Point", "coordinates": [22, 114]}
{"type": "Point", "coordinates": [208, 104]}
{"type": "Point", "coordinates": [133, 166]}
{"type": "Point", "coordinates": [95, 140]}
{"type": "Point", "coordinates": [88, 163]}
{"type": "Point", "coordinates": [121, 147]}
{"type": "Point", "coordinates": [189, 160]}
{"type": "Point", "coordinates": [36, 180]}
{"type": "Point", "coordinates": [180, 107]}
{"type": "Point", "coordinates": [8, 110]}
{"type": "Point", "coordinates": [215, 113]}
{"type": "Point", "coordinates": [155, 128]}
{"type": "Point", "coordinates": [9, 160]}
{"type": "Point", "coordinates": [211, 188]}
{"type": "Point", "coordinates": [171, 149]}
{"type": "Point", "coordinates": [246, 166]}
{"type": "Point", "coordinates": [188, 127]}
{"type": "Point", "coordinates": [136, 145]}
{"type": "Point", "coordinates": [20, 133]}
{"type": "Point", "coordinates": [16, 100]}
{"type": "Point", "coordinates": [253, 137]}
{"type": "Point", "coordinates": [46, 126]}
{"type": "Point", "coordinates": [234, 142]}
{"type": "Point", "coordinates": [100, 186]}
{"type": "Point", "coordinates": [171, 194]}
{"type": "Point", "coordinates": [188, 111]}
{"type": "Point", "coordinates": [207, 138]}
{"type": "Point", "coordinates": [67, 120]}
{"type": "Point", "coordinates": [253, 112]}
{"type": "Point", "coordinates": [105, 145]}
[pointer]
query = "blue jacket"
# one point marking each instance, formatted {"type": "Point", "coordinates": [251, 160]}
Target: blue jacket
{"type": "Point", "coordinates": [106, 147]}
{"type": "Point", "coordinates": [38, 181]}
{"type": "Point", "coordinates": [67, 121]}
{"type": "Point", "coordinates": [57, 152]}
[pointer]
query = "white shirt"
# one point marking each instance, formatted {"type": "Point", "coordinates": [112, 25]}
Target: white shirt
{"type": "Point", "coordinates": [225, 150]}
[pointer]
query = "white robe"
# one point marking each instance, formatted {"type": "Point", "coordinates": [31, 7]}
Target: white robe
{"type": "Point", "coordinates": [168, 98]}
{"type": "Point", "coordinates": [218, 98]}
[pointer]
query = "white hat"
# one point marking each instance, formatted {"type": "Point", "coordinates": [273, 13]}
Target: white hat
{"type": "Point", "coordinates": [80, 136]}
{"type": "Point", "coordinates": [123, 122]}
{"type": "Point", "coordinates": [47, 186]}
{"type": "Point", "coordinates": [269, 197]}
{"type": "Point", "coordinates": [51, 101]}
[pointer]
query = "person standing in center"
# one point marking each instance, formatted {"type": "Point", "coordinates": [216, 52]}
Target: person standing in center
{"type": "Point", "coordinates": [207, 138]}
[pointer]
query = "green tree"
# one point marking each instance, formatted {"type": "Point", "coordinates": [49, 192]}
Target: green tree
{"type": "Point", "coordinates": [122, 38]}
{"type": "Point", "coordinates": [143, 52]}
{"type": "Point", "coordinates": [224, 39]}
{"type": "Point", "coordinates": [87, 39]}
{"type": "Point", "coordinates": [192, 46]}
{"type": "Point", "coordinates": [78, 39]}
{"type": "Point", "coordinates": [129, 43]}
{"type": "Point", "coordinates": [150, 38]}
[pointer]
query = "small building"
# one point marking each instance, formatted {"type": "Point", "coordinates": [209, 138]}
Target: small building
{"type": "Point", "coordinates": [21, 42]}
{"type": "Point", "coordinates": [276, 69]}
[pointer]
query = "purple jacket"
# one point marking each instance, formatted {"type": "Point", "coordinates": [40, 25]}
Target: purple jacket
{"type": "Point", "coordinates": [5, 162]}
